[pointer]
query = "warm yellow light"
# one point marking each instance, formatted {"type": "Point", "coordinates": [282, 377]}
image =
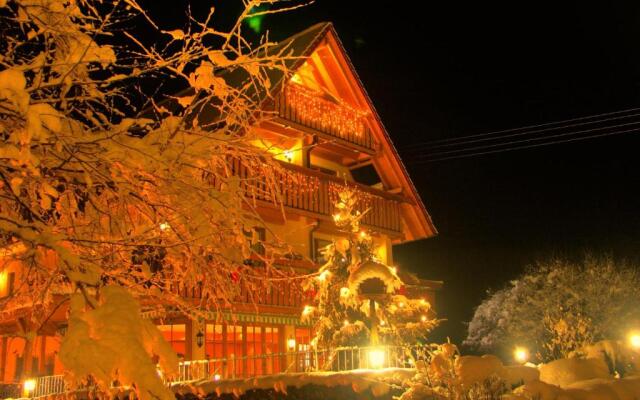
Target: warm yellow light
{"type": "Point", "coordinates": [376, 358]}
{"type": "Point", "coordinates": [323, 275]}
{"type": "Point", "coordinates": [344, 292]}
{"type": "Point", "coordinates": [307, 310]}
{"type": "Point", "coordinates": [423, 302]}
{"type": "Point", "coordinates": [423, 318]}
{"type": "Point", "coordinates": [216, 377]}
{"type": "Point", "coordinates": [634, 340]}
{"type": "Point", "coordinates": [288, 155]}
{"type": "Point", "coordinates": [401, 304]}
{"type": "Point", "coordinates": [521, 354]}
{"type": "Point", "coordinates": [346, 322]}
{"type": "Point", "coordinates": [29, 386]}
{"type": "Point", "coordinates": [164, 226]}
{"type": "Point", "coordinates": [291, 343]}
{"type": "Point", "coordinates": [382, 323]}
{"type": "Point", "coordinates": [394, 269]}
{"type": "Point", "coordinates": [336, 217]}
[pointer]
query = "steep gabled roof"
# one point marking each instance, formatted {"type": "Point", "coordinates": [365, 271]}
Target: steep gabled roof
{"type": "Point", "coordinates": [301, 46]}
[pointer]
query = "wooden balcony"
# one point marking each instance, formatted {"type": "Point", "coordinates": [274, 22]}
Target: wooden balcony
{"type": "Point", "coordinates": [314, 193]}
{"type": "Point", "coordinates": [316, 113]}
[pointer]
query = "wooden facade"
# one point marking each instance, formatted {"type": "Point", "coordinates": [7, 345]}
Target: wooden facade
{"type": "Point", "coordinates": [341, 123]}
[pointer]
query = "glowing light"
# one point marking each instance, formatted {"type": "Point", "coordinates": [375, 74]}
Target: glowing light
{"type": "Point", "coordinates": [376, 358]}
{"type": "Point", "coordinates": [288, 155]}
{"type": "Point", "coordinates": [363, 234]}
{"type": "Point", "coordinates": [634, 340]}
{"type": "Point", "coordinates": [401, 304]}
{"type": "Point", "coordinates": [521, 354]}
{"type": "Point", "coordinates": [344, 292]}
{"type": "Point", "coordinates": [164, 226]}
{"type": "Point", "coordinates": [323, 275]}
{"type": "Point", "coordinates": [216, 377]}
{"type": "Point", "coordinates": [29, 386]}
{"type": "Point", "coordinates": [345, 322]}
{"type": "Point", "coordinates": [332, 116]}
{"type": "Point", "coordinates": [307, 310]}
{"type": "Point", "coordinates": [382, 323]}
{"type": "Point", "coordinates": [423, 318]}
{"type": "Point", "coordinates": [394, 269]}
{"type": "Point", "coordinates": [423, 302]}
{"type": "Point", "coordinates": [336, 217]}
{"type": "Point", "coordinates": [291, 343]}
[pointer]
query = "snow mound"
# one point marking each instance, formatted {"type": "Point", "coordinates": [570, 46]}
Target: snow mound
{"type": "Point", "coordinates": [474, 369]}
{"type": "Point", "coordinates": [594, 389]}
{"type": "Point", "coordinates": [566, 371]}
{"type": "Point", "coordinates": [378, 380]}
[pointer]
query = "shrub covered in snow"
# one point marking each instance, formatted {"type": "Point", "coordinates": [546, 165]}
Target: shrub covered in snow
{"type": "Point", "coordinates": [558, 307]}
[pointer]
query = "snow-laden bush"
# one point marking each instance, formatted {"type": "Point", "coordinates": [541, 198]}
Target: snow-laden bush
{"type": "Point", "coordinates": [558, 307]}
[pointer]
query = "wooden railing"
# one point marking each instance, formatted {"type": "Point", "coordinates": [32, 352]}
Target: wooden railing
{"type": "Point", "coordinates": [306, 108]}
{"type": "Point", "coordinates": [314, 192]}
{"type": "Point", "coordinates": [278, 294]}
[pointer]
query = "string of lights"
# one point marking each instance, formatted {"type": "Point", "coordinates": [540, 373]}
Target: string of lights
{"type": "Point", "coordinates": [331, 116]}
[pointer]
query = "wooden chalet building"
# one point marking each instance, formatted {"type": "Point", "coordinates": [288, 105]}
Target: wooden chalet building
{"type": "Point", "coordinates": [323, 104]}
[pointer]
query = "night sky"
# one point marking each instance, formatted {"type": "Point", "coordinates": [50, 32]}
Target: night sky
{"type": "Point", "coordinates": [453, 69]}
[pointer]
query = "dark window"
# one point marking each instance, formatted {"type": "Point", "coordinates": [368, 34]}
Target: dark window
{"type": "Point", "coordinates": [367, 175]}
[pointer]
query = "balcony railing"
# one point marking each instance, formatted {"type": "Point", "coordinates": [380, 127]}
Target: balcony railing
{"type": "Point", "coordinates": [316, 193]}
{"type": "Point", "coordinates": [310, 109]}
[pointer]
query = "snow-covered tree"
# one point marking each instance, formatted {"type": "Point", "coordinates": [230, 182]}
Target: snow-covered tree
{"type": "Point", "coordinates": [109, 185]}
{"type": "Point", "coordinates": [342, 314]}
{"type": "Point", "coordinates": [558, 307]}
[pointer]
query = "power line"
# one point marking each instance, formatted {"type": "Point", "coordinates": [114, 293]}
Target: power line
{"type": "Point", "coordinates": [423, 161]}
{"type": "Point", "coordinates": [494, 133]}
{"type": "Point", "coordinates": [515, 142]}
{"type": "Point", "coordinates": [526, 133]}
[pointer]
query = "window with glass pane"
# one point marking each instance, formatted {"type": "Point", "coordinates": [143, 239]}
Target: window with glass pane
{"type": "Point", "coordinates": [234, 348]}
{"type": "Point", "coordinates": [214, 347]}
{"type": "Point", "coordinates": [255, 360]}
{"type": "Point", "coordinates": [175, 335]}
{"type": "Point", "coordinates": [271, 341]}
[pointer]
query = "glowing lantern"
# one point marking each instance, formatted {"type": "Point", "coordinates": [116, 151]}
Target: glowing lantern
{"type": "Point", "coordinates": [291, 343]}
{"type": "Point", "coordinates": [634, 340]}
{"type": "Point", "coordinates": [29, 386]}
{"type": "Point", "coordinates": [376, 358]}
{"type": "Point", "coordinates": [521, 354]}
{"type": "Point", "coordinates": [344, 292]}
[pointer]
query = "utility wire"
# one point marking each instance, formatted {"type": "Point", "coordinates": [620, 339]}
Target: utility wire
{"type": "Point", "coordinates": [535, 139]}
{"type": "Point", "coordinates": [423, 161]}
{"type": "Point", "coordinates": [421, 147]}
{"type": "Point", "coordinates": [561, 125]}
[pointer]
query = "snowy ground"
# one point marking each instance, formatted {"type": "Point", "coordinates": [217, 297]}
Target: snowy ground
{"type": "Point", "coordinates": [380, 381]}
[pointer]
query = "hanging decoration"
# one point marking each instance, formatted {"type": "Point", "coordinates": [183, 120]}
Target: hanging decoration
{"type": "Point", "coordinates": [331, 115]}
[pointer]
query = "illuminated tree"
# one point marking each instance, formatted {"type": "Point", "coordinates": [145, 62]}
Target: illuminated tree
{"type": "Point", "coordinates": [105, 199]}
{"type": "Point", "coordinates": [345, 312]}
{"type": "Point", "coordinates": [558, 307]}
